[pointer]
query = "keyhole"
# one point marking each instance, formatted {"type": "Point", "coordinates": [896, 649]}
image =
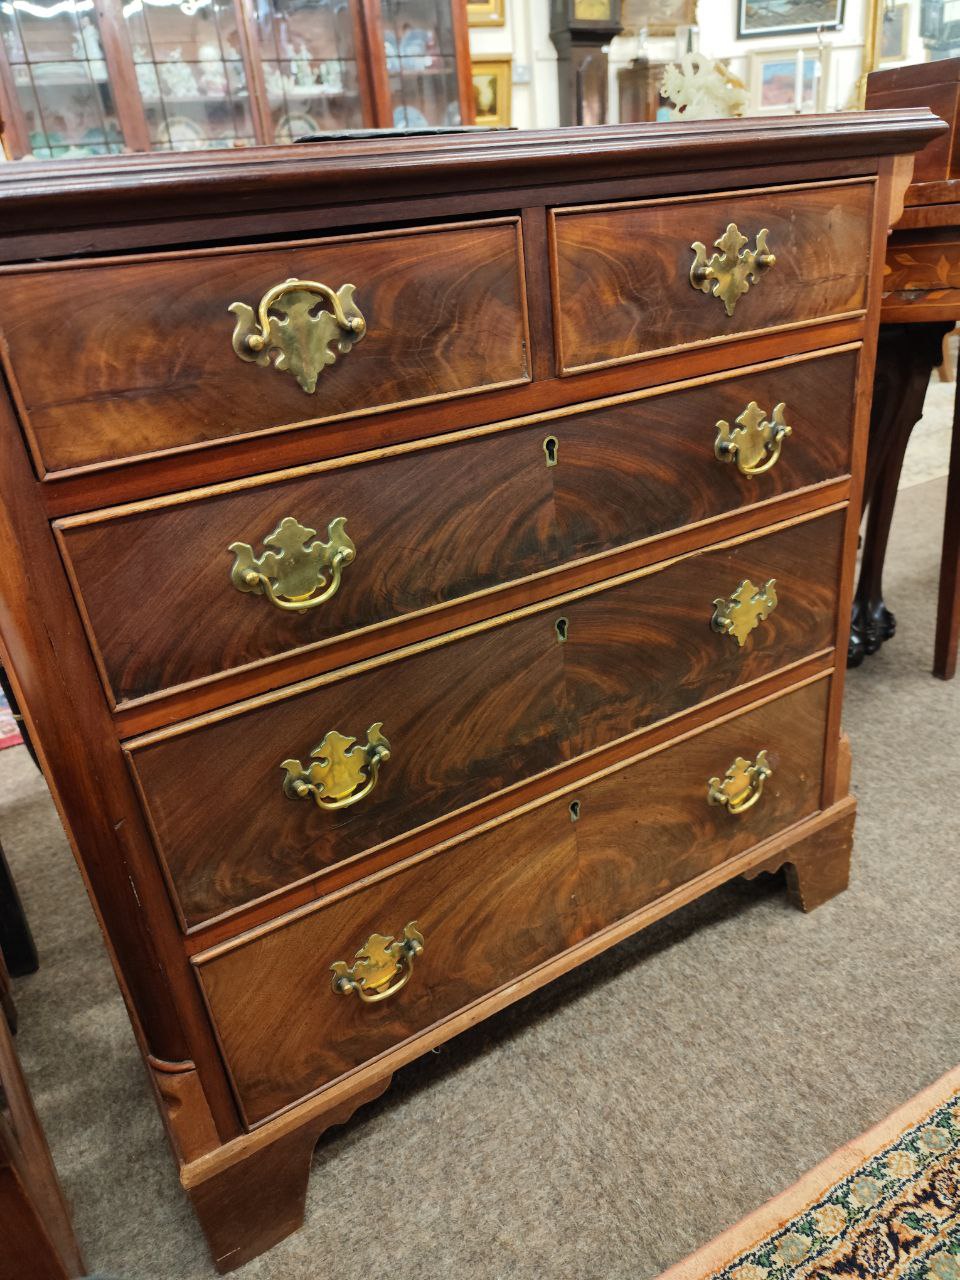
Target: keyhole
{"type": "Point", "coordinates": [562, 627]}
{"type": "Point", "coordinates": [551, 447]}
{"type": "Point", "coordinates": [574, 810]}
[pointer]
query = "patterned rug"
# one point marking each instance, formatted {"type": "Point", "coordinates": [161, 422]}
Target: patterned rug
{"type": "Point", "coordinates": [9, 733]}
{"type": "Point", "coordinates": [886, 1206]}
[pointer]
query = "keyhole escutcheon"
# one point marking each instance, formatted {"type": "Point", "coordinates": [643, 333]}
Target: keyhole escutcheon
{"type": "Point", "coordinates": [562, 627]}
{"type": "Point", "coordinates": [551, 447]}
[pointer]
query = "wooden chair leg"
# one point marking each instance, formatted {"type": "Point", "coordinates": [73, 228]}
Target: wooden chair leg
{"type": "Point", "coordinates": [16, 941]}
{"type": "Point", "coordinates": [7, 1006]}
{"type": "Point", "coordinates": [906, 357]}
{"type": "Point", "coordinates": [36, 1233]}
{"type": "Point", "coordinates": [948, 602]}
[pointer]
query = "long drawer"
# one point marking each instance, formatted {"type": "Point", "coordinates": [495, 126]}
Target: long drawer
{"type": "Point", "coordinates": [472, 716]}
{"type": "Point", "coordinates": [148, 358]}
{"type": "Point", "coordinates": [486, 916]}
{"type": "Point", "coordinates": [166, 605]}
{"type": "Point", "coordinates": [622, 273]}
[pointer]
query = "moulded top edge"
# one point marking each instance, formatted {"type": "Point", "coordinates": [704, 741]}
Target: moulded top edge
{"type": "Point", "coordinates": [124, 187]}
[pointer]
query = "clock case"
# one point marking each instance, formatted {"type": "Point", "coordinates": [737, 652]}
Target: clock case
{"type": "Point", "coordinates": [581, 58]}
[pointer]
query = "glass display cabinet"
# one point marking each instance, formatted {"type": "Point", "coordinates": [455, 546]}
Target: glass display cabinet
{"type": "Point", "coordinates": [182, 75]}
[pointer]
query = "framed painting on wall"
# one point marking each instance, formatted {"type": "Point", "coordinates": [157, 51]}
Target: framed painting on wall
{"type": "Point", "coordinates": [491, 91]}
{"type": "Point", "coordinates": [784, 17]}
{"type": "Point", "coordinates": [786, 81]}
{"type": "Point", "coordinates": [486, 13]}
{"type": "Point", "coordinates": [657, 17]}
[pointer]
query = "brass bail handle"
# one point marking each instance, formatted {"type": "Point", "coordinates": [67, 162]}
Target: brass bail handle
{"type": "Point", "coordinates": [741, 786]}
{"type": "Point", "coordinates": [382, 967]}
{"type": "Point", "coordinates": [732, 269]}
{"type": "Point", "coordinates": [351, 324]}
{"type": "Point", "coordinates": [294, 574]}
{"type": "Point", "coordinates": [342, 772]}
{"type": "Point", "coordinates": [301, 337]}
{"type": "Point", "coordinates": [755, 441]}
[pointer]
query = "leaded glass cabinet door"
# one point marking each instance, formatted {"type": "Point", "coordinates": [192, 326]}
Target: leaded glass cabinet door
{"type": "Point", "coordinates": [311, 53]}
{"type": "Point", "coordinates": [189, 64]}
{"type": "Point", "coordinates": [421, 52]}
{"type": "Point", "coordinates": [56, 80]}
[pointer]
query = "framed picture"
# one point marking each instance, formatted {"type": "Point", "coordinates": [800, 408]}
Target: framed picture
{"type": "Point", "coordinates": [659, 17]}
{"type": "Point", "coordinates": [784, 17]}
{"type": "Point", "coordinates": [895, 34]}
{"type": "Point", "coordinates": [491, 90]}
{"type": "Point", "coordinates": [486, 13]}
{"type": "Point", "coordinates": [787, 81]}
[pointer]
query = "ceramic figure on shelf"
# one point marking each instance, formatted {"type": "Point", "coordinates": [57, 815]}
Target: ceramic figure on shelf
{"type": "Point", "coordinates": [413, 49]}
{"type": "Point", "coordinates": [86, 43]}
{"type": "Point", "coordinates": [146, 73]}
{"type": "Point", "coordinates": [213, 75]}
{"type": "Point", "coordinates": [176, 77]}
{"type": "Point", "coordinates": [331, 76]}
{"type": "Point", "coordinates": [391, 51]}
{"type": "Point", "coordinates": [301, 67]}
{"type": "Point", "coordinates": [274, 80]}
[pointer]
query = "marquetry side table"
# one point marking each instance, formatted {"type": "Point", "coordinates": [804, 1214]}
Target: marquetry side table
{"type": "Point", "coordinates": [921, 304]}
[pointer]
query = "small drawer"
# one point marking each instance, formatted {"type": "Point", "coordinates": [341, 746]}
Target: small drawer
{"type": "Point", "coordinates": [497, 512]}
{"type": "Point", "coordinates": [471, 717]}
{"type": "Point", "coordinates": [622, 273]}
{"type": "Point", "coordinates": [115, 360]}
{"type": "Point", "coordinates": [490, 907]}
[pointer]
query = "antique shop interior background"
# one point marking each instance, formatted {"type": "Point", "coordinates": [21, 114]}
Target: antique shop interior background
{"type": "Point", "coordinates": [78, 79]}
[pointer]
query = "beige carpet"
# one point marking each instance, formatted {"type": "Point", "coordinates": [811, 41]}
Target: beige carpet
{"type": "Point", "coordinates": [609, 1125]}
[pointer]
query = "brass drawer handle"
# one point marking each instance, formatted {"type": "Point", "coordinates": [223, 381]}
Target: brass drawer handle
{"type": "Point", "coordinates": [754, 444]}
{"type": "Point", "coordinates": [342, 773]}
{"type": "Point", "coordinates": [297, 337]}
{"type": "Point", "coordinates": [290, 573]}
{"type": "Point", "coordinates": [745, 609]}
{"type": "Point", "coordinates": [729, 274]}
{"type": "Point", "coordinates": [741, 786]}
{"type": "Point", "coordinates": [382, 967]}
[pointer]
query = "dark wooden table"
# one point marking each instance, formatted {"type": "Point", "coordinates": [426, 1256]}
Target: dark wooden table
{"type": "Point", "coordinates": [921, 304]}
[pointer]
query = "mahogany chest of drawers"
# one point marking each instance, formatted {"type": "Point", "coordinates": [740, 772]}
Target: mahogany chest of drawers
{"type": "Point", "coordinates": [425, 563]}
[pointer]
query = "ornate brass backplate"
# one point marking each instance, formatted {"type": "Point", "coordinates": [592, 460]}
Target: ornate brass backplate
{"type": "Point", "coordinates": [295, 574]}
{"type": "Point", "coordinates": [342, 772]}
{"type": "Point", "coordinates": [294, 332]}
{"type": "Point", "coordinates": [754, 444]}
{"type": "Point", "coordinates": [742, 785]}
{"type": "Point", "coordinates": [745, 609]}
{"type": "Point", "coordinates": [381, 967]}
{"type": "Point", "coordinates": [729, 273]}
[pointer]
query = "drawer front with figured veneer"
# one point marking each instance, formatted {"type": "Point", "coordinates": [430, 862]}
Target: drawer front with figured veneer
{"type": "Point", "coordinates": [294, 784]}
{"type": "Point", "coordinates": [263, 568]}
{"type": "Point", "coordinates": [350, 979]}
{"type": "Point", "coordinates": [150, 359]}
{"type": "Point", "coordinates": [634, 279]}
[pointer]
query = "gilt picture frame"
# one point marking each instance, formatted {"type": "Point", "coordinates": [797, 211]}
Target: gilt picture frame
{"type": "Point", "coordinates": [787, 81]}
{"type": "Point", "coordinates": [486, 13]}
{"type": "Point", "coordinates": [757, 18]}
{"type": "Point", "coordinates": [657, 17]}
{"type": "Point", "coordinates": [492, 80]}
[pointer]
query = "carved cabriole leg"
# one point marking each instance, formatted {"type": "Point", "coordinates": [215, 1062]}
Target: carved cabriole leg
{"type": "Point", "coordinates": [906, 356]}
{"type": "Point", "coordinates": [818, 867]}
{"type": "Point", "coordinates": [247, 1206]}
